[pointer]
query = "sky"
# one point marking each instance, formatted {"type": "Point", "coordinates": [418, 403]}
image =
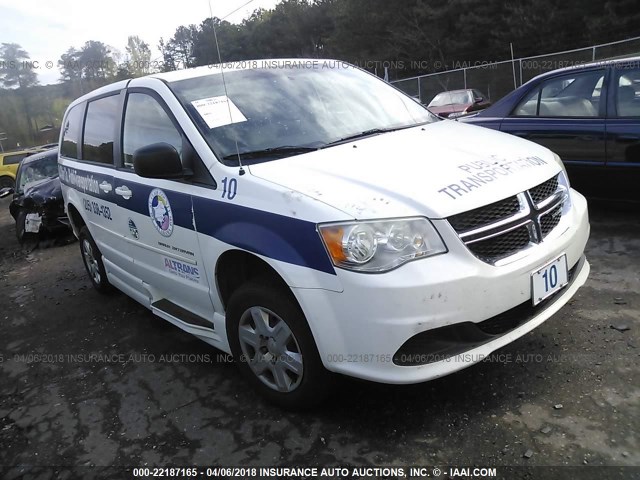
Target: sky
{"type": "Point", "coordinates": [47, 29]}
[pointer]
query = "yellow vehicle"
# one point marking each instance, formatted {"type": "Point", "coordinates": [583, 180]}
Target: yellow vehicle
{"type": "Point", "coordinates": [9, 162]}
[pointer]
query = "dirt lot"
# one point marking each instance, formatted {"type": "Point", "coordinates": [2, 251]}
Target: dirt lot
{"type": "Point", "coordinates": [94, 380]}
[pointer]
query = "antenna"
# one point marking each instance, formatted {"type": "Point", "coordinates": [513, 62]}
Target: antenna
{"type": "Point", "coordinates": [224, 84]}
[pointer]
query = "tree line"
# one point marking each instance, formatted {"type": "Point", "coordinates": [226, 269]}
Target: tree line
{"type": "Point", "coordinates": [432, 32]}
{"type": "Point", "coordinates": [422, 36]}
{"type": "Point", "coordinates": [31, 114]}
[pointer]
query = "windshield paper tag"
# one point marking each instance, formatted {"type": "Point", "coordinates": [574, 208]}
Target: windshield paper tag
{"type": "Point", "coordinates": [218, 111]}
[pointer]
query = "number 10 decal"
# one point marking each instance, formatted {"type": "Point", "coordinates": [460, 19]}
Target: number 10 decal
{"type": "Point", "coordinates": [229, 188]}
{"type": "Point", "coordinates": [550, 278]}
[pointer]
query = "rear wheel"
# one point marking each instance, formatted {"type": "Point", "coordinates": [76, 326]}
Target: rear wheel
{"type": "Point", "coordinates": [7, 182]}
{"type": "Point", "coordinates": [92, 259]}
{"type": "Point", "coordinates": [274, 348]}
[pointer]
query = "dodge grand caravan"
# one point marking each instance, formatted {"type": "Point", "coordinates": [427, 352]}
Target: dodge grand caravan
{"type": "Point", "coordinates": [310, 219]}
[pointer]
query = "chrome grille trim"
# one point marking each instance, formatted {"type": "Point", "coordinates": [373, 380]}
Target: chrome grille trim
{"type": "Point", "coordinates": [488, 214]}
{"type": "Point", "coordinates": [502, 226]}
{"type": "Point", "coordinates": [560, 192]}
{"type": "Point", "coordinates": [540, 211]}
{"type": "Point", "coordinates": [497, 233]}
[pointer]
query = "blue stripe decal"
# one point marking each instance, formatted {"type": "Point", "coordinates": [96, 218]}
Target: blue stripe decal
{"type": "Point", "coordinates": [139, 202]}
{"type": "Point", "coordinates": [280, 237]}
{"type": "Point", "coordinates": [86, 182]}
{"type": "Point", "coordinates": [283, 238]}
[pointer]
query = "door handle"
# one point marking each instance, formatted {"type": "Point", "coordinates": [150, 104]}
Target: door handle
{"type": "Point", "coordinates": [124, 191]}
{"type": "Point", "coordinates": [106, 187]}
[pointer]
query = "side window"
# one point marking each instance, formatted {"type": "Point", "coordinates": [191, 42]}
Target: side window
{"type": "Point", "coordinates": [99, 130]}
{"type": "Point", "coordinates": [145, 123]}
{"type": "Point", "coordinates": [628, 94]}
{"type": "Point", "coordinates": [576, 95]}
{"type": "Point", "coordinates": [13, 159]}
{"type": "Point", "coordinates": [71, 132]}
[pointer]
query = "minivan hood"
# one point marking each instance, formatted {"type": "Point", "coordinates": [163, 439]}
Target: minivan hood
{"type": "Point", "coordinates": [436, 170]}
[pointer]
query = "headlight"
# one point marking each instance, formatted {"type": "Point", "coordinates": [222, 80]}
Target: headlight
{"type": "Point", "coordinates": [565, 177]}
{"type": "Point", "coordinates": [380, 246]}
{"type": "Point", "coordinates": [563, 180]}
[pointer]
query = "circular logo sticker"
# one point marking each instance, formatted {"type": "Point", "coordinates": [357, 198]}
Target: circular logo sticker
{"type": "Point", "coordinates": [160, 212]}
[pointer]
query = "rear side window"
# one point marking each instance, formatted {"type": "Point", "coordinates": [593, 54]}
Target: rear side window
{"type": "Point", "coordinates": [13, 159]}
{"type": "Point", "coordinates": [99, 130]}
{"type": "Point", "coordinates": [71, 132]}
{"type": "Point", "coordinates": [146, 123]}
{"type": "Point", "coordinates": [575, 95]}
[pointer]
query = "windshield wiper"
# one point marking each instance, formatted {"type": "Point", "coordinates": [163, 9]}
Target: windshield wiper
{"type": "Point", "coordinates": [368, 133]}
{"type": "Point", "coordinates": [283, 151]}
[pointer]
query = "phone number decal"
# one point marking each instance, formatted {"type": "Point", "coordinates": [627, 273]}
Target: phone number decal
{"type": "Point", "coordinates": [97, 209]}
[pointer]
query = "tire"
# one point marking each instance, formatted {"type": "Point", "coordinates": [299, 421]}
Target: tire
{"type": "Point", "coordinates": [20, 219]}
{"type": "Point", "coordinates": [92, 259]}
{"type": "Point", "coordinates": [7, 182]}
{"type": "Point", "coordinates": [287, 370]}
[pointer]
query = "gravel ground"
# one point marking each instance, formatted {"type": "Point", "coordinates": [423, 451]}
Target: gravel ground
{"type": "Point", "coordinates": [98, 380]}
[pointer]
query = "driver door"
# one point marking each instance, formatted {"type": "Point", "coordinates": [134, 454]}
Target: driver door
{"type": "Point", "coordinates": [160, 232]}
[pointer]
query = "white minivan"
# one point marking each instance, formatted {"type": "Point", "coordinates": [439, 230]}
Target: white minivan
{"type": "Point", "coordinates": [311, 219]}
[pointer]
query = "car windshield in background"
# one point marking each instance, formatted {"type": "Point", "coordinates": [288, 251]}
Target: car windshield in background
{"type": "Point", "coordinates": [37, 170]}
{"type": "Point", "coordinates": [278, 112]}
{"type": "Point", "coordinates": [450, 98]}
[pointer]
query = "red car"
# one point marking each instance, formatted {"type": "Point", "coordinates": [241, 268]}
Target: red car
{"type": "Point", "coordinates": [456, 103]}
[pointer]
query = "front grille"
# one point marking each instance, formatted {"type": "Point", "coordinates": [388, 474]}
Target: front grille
{"type": "Point", "coordinates": [504, 228]}
{"type": "Point", "coordinates": [485, 215]}
{"type": "Point", "coordinates": [544, 190]}
{"type": "Point", "coordinates": [502, 245]}
{"type": "Point", "coordinates": [550, 221]}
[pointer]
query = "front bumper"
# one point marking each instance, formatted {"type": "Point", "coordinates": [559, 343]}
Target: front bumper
{"type": "Point", "coordinates": [359, 331]}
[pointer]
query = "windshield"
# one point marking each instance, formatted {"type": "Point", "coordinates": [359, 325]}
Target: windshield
{"type": "Point", "coordinates": [450, 98]}
{"type": "Point", "coordinates": [271, 108]}
{"type": "Point", "coordinates": [36, 170]}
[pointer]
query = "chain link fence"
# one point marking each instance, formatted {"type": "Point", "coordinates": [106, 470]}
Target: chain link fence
{"type": "Point", "coordinates": [496, 79]}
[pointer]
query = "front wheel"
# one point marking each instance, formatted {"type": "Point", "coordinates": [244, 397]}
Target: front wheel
{"type": "Point", "coordinates": [28, 240]}
{"type": "Point", "coordinates": [92, 259]}
{"type": "Point", "coordinates": [274, 348]}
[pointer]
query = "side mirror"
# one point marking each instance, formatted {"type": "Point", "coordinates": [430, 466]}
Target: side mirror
{"type": "Point", "coordinates": [479, 100]}
{"type": "Point", "coordinates": [6, 191]}
{"type": "Point", "coordinates": [158, 160]}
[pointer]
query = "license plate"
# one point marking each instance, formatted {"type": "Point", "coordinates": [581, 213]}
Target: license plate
{"type": "Point", "coordinates": [549, 279]}
{"type": "Point", "coordinates": [32, 223]}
